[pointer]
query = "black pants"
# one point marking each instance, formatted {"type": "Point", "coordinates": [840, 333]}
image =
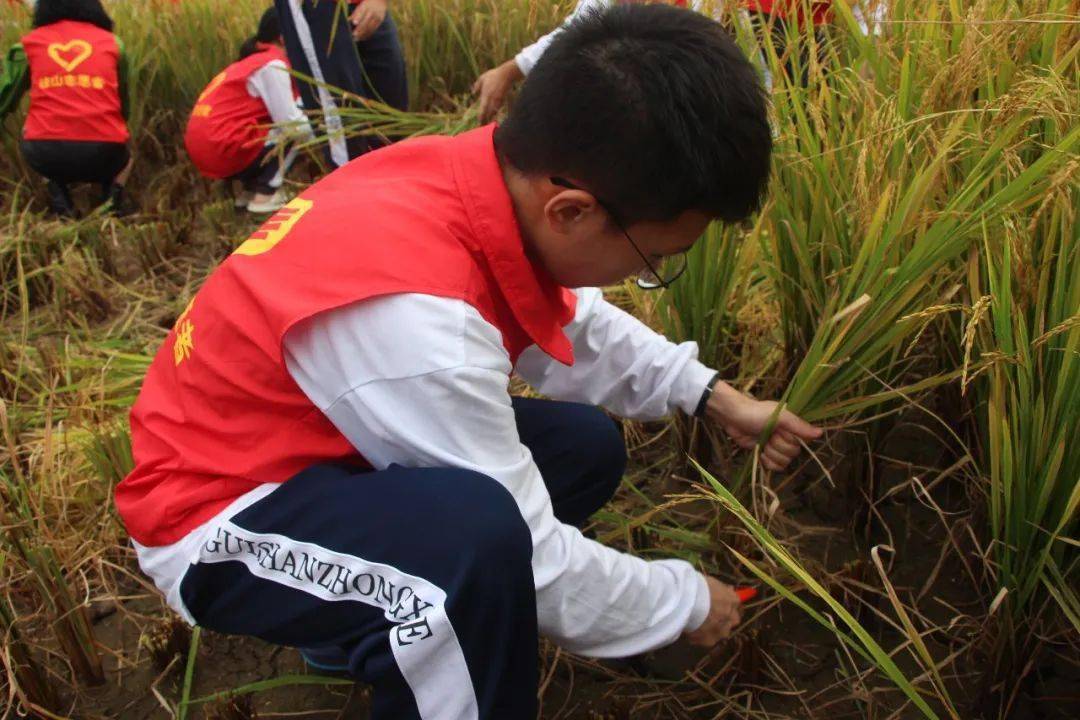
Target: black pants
{"type": "Point", "coordinates": [421, 576]}
{"type": "Point", "coordinates": [63, 162]}
{"type": "Point", "coordinates": [71, 161]}
{"type": "Point", "coordinates": [266, 173]}
{"type": "Point", "coordinates": [383, 65]}
{"type": "Point", "coordinates": [318, 40]}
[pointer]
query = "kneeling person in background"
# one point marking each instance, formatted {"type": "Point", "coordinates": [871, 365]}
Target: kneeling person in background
{"type": "Point", "coordinates": [246, 121]}
{"type": "Point", "coordinates": [76, 128]}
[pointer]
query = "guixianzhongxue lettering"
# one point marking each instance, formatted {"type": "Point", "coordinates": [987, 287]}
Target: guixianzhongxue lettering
{"type": "Point", "coordinates": [329, 575]}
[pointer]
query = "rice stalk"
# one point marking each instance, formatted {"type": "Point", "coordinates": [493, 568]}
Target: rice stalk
{"type": "Point", "coordinates": [67, 616]}
{"type": "Point", "coordinates": [849, 631]}
{"type": "Point", "coordinates": [1031, 427]}
{"type": "Point", "coordinates": [24, 674]}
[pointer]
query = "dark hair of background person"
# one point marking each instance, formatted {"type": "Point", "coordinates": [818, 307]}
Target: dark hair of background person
{"type": "Point", "coordinates": [269, 31]}
{"type": "Point", "coordinates": [47, 12]}
{"type": "Point", "coordinates": [651, 108]}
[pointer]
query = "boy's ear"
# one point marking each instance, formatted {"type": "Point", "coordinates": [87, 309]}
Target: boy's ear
{"type": "Point", "coordinates": [569, 208]}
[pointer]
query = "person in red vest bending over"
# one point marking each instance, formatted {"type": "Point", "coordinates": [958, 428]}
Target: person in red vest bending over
{"type": "Point", "coordinates": [76, 72]}
{"type": "Point", "coordinates": [868, 13]}
{"type": "Point", "coordinates": [778, 18]}
{"type": "Point", "coordinates": [493, 86]}
{"type": "Point", "coordinates": [245, 122]}
{"type": "Point", "coordinates": [326, 452]}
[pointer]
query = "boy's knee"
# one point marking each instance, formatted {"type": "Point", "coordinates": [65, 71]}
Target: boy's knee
{"type": "Point", "coordinates": [602, 446]}
{"type": "Point", "coordinates": [491, 531]}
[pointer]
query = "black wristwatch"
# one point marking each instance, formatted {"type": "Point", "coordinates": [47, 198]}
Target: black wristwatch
{"type": "Point", "coordinates": [699, 411]}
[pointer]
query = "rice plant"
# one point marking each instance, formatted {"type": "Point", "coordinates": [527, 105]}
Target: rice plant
{"type": "Point", "coordinates": [24, 538]}
{"type": "Point", "coordinates": [24, 675]}
{"type": "Point", "coordinates": [1029, 399]}
{"type": "Point", "coordinates": [702, 305]}
{"type": "Point", "coordinates": [854, 261]}
{"type": "Point", "coordinates": [856, 282]}
{"type": "Point", "coordinates": [174, 49]}
{"type": "Point", "coordinates": [848, 630]}
{"type": "Point", "coordinates": [949, 179]}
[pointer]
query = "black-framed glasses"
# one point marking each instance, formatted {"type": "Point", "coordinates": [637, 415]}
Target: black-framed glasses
{"type": "Point", "coordinates": [653, 277]}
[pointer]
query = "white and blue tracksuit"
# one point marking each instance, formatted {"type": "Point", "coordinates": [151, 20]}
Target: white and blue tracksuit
{"type": "Point", "coordinates": [434, 572]}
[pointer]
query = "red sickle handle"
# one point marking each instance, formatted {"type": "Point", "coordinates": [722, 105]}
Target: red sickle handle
{"type": "Point", "coordinates": [745, 594]}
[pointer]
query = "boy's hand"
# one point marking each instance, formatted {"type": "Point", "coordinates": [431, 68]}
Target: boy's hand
{"type": "Point", "coordinates": [724, 614]}
{"type": "Point", "coordinates": [493, 86]}
{"type": "Point", "coordinates": [744, 418]}
{"type": "Point", "coordinates": [367, 17]}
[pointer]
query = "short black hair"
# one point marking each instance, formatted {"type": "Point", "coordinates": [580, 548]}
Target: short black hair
{"type": "Point", "coordinates": [652, 108]}
{"type": "Point", "coordinates": [269, 31]}
{"type": "Point", "coordinates": [47, 12]}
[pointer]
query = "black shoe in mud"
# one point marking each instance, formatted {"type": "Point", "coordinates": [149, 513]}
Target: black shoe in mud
{"type": "Point", "coordinates": [114, 199]}
{"type": "Point", "coordinates": [60, 203]}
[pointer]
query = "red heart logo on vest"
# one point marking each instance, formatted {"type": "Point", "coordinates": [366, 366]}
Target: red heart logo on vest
{"type": "Point", "coordinates": [71, 54]}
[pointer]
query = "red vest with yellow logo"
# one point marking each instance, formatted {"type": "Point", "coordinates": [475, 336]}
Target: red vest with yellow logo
{"type": "Point", "coordinates": [228, 126]}
{"type": "Point", "coordinates": [219, 414]}
{"type": "Point", "coordinates": [74, 84]}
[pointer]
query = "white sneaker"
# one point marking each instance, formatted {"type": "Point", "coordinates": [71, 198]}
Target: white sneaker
{"type": "Point", "coordinates": [274, 203]}
{"type": "Point", "coordinates": [241, 201]}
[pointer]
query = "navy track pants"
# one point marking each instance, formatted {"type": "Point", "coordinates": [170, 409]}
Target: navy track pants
{"type": "Point", "coordinates": [421, 575]}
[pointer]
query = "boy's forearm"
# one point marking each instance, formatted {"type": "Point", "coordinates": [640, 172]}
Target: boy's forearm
{"type": "Point", "coordinates": [620, 363]}
{"type": "Point", "coordinates": [512, 69]}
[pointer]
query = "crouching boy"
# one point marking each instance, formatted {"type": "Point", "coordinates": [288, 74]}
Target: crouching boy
{"type": "Point", "coordinates": [327, 455]}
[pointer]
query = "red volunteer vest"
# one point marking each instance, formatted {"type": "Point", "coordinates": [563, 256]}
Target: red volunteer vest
{"type": "Point", "coordinates": [820, 11]}
{"type": "Point", "coordinates": [228, 127]}
{"type": "Point", "coordinates": [219, 414]}
{"type": "Point", "coordinates": [74, 84]}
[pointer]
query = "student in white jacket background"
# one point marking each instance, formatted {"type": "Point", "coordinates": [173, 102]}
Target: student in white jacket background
{"type": "Point", "coordinates": [494, 86]}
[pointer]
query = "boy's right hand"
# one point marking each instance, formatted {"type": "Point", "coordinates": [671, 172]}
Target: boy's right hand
{"type": "Point", "coordinates": [493, 86]}
{"type": "Point", "coordinates": [366, 18]}
{"type": "Point", "coordinates": [725, 613]}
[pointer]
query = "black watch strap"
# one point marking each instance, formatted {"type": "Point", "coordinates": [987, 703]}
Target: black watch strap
{"type": "Point", "coordinates": [699, 411]}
